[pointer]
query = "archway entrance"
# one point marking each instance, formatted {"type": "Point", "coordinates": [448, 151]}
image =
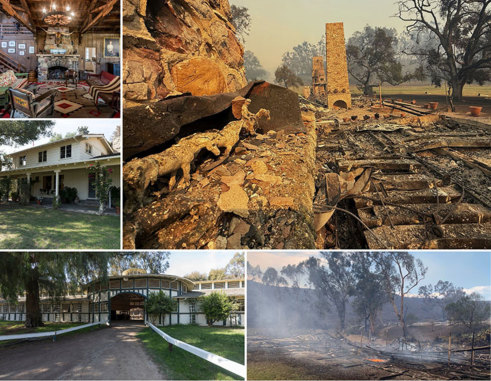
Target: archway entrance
{"type": "Point", "coordinates": [127, 306]}
{"type": "Point", "coordinates": [340, 104]}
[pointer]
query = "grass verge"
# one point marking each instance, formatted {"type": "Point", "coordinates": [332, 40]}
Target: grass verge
{"type": "Point", "coordinates": [17, 328]}
{"type": "Point", "coordinates": [180, 364]}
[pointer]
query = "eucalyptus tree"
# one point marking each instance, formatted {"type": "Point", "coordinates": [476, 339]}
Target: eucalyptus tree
{"type": "Point", "coordinates": [331, 274]}
{"type": "Point", "coordinates": [54, 274]}
{"type": "Point", "coordinates": [400, 273]}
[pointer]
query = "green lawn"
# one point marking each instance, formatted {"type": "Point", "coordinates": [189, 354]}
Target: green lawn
{"type": "Point", "coordinates": [182, 365]}
{"type": "Point", "coordinates": [39, 228]}
{"type": "Point", "coordinates": [17, 327]}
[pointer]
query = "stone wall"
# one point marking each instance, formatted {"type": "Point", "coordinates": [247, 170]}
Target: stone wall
{"type": "Point", "coordinates": [337, 67]}
{"type": "Point", "coordinates": [179, 46]}
{"type": "Point", "coordinates": [318, 78]}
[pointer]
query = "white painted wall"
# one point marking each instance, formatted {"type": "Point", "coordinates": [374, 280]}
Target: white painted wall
{"type": "Point", "coordinates": [53, 153]}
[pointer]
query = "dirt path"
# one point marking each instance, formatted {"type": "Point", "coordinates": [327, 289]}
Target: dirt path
{"type": "Point", "coordinates": [108, 353]}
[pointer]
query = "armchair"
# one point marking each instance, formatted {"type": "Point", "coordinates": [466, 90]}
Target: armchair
{"type": "Point", "coordinates": [28, 104]}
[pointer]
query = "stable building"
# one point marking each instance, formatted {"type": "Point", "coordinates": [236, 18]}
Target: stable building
{"type": "Point", "coordinates": [122, 298]}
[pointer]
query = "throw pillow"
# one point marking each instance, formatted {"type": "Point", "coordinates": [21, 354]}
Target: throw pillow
{"type": "Point", "coordinates": [7, 79]}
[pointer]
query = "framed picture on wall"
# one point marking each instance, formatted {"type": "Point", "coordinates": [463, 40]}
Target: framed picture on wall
{"type": "Point", "coordinates": [12, 44]}
{"type": "Point", "coordinates": [111, 48]}
{"type": "Point", "coordinates": [4, 44]}
{"type": "Point", "coordinates": [21, 52]}
{"type": "Point", "coordinates": [11, 51]}
{"type": "Point", "coordinates": [31, 49]}
{"type": "Point", "coordinates": [21, 46]}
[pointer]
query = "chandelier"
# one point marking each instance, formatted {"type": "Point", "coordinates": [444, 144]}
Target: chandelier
{"type": "Point", "coordinates": [57, 15]}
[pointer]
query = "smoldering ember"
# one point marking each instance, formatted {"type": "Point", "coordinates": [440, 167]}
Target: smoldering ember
{"type": "Point", "coordinates": [354, 316]}
{"type": "Point", "coordinates": [215, 162]}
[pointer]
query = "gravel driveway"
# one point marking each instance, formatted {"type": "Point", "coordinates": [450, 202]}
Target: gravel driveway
{"type": "Point", "coordinates": [107, 353]}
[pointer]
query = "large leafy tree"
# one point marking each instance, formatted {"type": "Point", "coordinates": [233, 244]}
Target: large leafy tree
{"type": "Point", "coordinates": [400, 273]}
{"type": "Point", "coordinates": [154, 262]}
{"type": "Point", "coordinates": [196, 275]}
{"type": "Point", "coordinates": [236, 266]}
{"type": "Point", "coordinates": [23, 132]}
{"type": "Point", "coordinates": [441, 294]}
{"type": "Point", "coordinates": [286, 77]}
{"type": "Point", "coordinates": [216, 306]}
{"type": "Point", "coordinates": [331, 274]}
{"type": "Point", "coordinates": [50, 273]}
{"type": "Point", "coordinates": [369, 296]}
{"type": "Point", "coordinates": [372, 58]}
{"type": "Point", "coordinates": [462, 31]}
{"type": "Point", "coordinates": [253, 68]}
{"type": "Point", "coordinates": [299, 59]}
{"type": "Point", "coordinates": [272, 278]}
{"type": "Point", "coordinates": [54, 274]}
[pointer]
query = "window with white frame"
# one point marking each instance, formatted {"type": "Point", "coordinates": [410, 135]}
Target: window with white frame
{"type": "Point", "coordinates": [22, 161]}
{"type": "Point", "coordinates": [43, 156]}
{"type": "Point", "coordinates": [66, 151]}
{"type": "Point", "coordinates": [88, 148]}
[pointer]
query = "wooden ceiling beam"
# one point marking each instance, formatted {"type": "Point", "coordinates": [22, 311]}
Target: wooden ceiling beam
{"type": "Point", "coordinates": [88, 14]}
{"type": "Point", "coordinates": [27, 10]}
{"type": "Point", "coordinates": [7, 7]}
{"type": "Point", "coordinates": [104, 12]}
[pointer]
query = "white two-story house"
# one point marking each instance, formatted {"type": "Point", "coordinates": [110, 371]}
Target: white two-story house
{"type": "Point", "coordinates": [64, 163]}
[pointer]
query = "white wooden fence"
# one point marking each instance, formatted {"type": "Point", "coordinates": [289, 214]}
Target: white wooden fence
{"type": "Point", "coordinates": [47, 334]}
{"type": "Point", "coordinates": [222, 362]}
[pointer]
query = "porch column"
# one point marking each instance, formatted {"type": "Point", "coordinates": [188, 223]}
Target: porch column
{"type": "Point", "coordinates": [57, 182]}
{"type": "Point", "coordinates": [28, 178]}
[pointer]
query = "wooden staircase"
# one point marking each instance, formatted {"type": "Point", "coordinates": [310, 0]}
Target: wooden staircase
{"type": "Point", "coordinates": [8, 63]}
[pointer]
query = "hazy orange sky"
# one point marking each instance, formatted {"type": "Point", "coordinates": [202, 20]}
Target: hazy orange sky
{"type": "Point", "coordinates": [278, 25]}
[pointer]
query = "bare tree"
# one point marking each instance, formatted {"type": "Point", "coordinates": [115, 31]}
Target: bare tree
{"type": "Point", "coordinates": [462, 29]}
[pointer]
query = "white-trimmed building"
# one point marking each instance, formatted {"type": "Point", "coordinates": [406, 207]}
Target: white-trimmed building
{"type": "Point", "coordinates": [64, 163]}
{"type": "Point", "coordinates": [122, 298]}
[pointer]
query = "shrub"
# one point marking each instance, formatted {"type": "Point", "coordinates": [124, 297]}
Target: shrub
{"type": "Point", "coordinates": [159, 303]}
{"type": "Point", "coordinates": [216, 306]}
{"type": "Point", "coordinates": [68, 195]}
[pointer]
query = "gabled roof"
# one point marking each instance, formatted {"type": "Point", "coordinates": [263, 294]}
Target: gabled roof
{"type": "Point", "coordinates": [75, 138]}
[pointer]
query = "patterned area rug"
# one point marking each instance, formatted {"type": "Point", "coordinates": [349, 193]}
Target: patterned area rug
{"type": "Point", "coordinates": [70, 101]}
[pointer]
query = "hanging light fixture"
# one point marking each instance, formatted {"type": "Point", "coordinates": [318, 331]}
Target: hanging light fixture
{"type": "Point", "coordinates": [58, 16]}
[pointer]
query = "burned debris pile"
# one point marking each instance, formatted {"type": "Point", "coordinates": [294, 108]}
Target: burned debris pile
{"type": "Point", "coordinates": [428, 187]}
{"type": "Point", "coordinates": [254, 192]}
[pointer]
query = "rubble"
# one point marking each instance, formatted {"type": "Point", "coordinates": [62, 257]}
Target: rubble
{"type": "Point", "coordinates": [258, 196]}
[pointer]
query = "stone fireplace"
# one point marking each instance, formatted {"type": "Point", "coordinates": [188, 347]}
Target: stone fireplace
{"type": "Point", "coordinates": [54, 63]}
{"type": "Point", "coordinates": [59, 55]}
